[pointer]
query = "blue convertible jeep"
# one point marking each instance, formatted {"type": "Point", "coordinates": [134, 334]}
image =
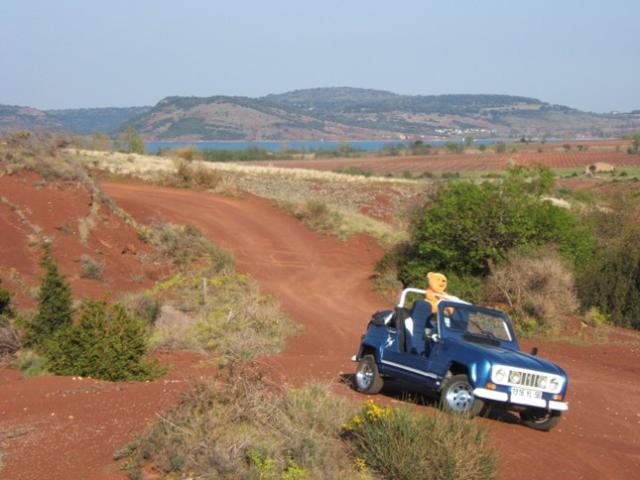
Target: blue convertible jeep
{"type": "Point", "coordinates": [467, 354]}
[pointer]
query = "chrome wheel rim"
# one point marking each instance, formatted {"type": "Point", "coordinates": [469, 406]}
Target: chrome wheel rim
{"type": "Point", "coordinates": [364, 376]}
{"type": "Point", "coordinates": [460, 397]}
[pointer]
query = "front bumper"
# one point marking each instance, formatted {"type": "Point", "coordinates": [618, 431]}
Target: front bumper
{"type": "Point", "coordinates": [494, 395]}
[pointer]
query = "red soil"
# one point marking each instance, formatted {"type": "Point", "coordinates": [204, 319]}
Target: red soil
{"type": "Point", "coordinates": [323, 284]}
{"type": "Point", "coordinates": [487, 162]}
{"type": "Point", "coordinates": [55, 208]}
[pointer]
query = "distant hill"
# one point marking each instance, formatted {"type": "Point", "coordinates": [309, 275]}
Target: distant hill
{"type": "Point", "coordinates": [82, 121]}
{"type": "Point", "coordinates": [85, 121]}
{"type": "Point", "coordinates": [353, 113]}
{"type": "Point", "coordinates": [13, 117]}
{"type": "Point", "coordinates": [336, 113]}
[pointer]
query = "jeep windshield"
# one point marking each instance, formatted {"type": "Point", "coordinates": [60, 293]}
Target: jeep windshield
{"type": "Point", "coordinates": [473, 320]}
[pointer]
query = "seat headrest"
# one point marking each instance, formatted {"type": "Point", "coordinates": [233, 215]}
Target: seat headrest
{"type": "Point", "coordinates": [421, 309]}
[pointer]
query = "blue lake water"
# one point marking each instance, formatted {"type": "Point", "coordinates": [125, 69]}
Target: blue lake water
{"type": "Point", "coordinates": [308, 145]}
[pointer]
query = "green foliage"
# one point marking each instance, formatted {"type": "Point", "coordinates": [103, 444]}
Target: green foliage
{"type": "Point", "coordinates": [105, 342]}
{"type": "Point", "coordinates": [500, 147]}
{"type": "Point", "coordinates": [10, 338]}
{"type": "Point", "coordinates": [227, 315]}
{"type": "Point", "coordinates": [90, 268]}
{"type": "Point", "coordinates": [355, 170]}
{"type": "Point", "coordinates": [5, 301]}
{"type": "Point", "coordinates": [635, 144]}
{"type": "Point", "coordinates": [31, 363]}
{"type": "Point", "coordinates": [244, 429]}
{"type": "Point", "coordinates": [596, 318]}
{"type": "Point", "coordinates": [470, 226]}
{"type": "Point", "coordinates": [452, 147]}
{"type": "Point", "coordinates": [54, 303]}
{"type": "Point", "coordinates": [610, 280]}
{"type": "Point", "coordinates": [184, 244]}
{"type": "Point", "coordinates": [400, 444]}
{"type": "Point", "coordinates": [132, 141]}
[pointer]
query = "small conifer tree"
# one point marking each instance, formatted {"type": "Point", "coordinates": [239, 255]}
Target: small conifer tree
{"type": "Point", "coordinates": [54, 302]}
{"type": "Point", "coordinates": [106, 342]}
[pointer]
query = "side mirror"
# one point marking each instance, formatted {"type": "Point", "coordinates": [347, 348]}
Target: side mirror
{"type": "Point", "coordinates": [534, 351]}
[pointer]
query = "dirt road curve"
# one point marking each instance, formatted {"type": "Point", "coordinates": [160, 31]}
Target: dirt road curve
{"type": "Point", "coordinates": [320, 282]}
{"type": "Point", "coordinates": [323, 284]}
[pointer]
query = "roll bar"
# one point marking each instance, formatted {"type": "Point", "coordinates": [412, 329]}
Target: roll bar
{"type": "Point", "coordinates": [407, 291]}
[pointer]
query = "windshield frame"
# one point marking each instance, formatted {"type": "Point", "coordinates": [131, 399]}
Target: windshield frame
{"type": "Point", "coordinates": [444, 331]}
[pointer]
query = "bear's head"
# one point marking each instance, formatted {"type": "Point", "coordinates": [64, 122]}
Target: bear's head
{"type": "Point", "coordinates": [437, 282]}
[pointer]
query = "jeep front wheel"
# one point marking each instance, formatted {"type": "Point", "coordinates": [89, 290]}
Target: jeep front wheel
{"type": "Point", "coordinates": [367, 378]}
{"type": "Point", "coordinates": [457, 396]}
{"type": "Point", "coordinates": [539, 419]}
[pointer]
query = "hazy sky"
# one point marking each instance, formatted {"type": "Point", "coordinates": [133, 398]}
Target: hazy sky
{"type": "Point", "coordinates": [79, 53]}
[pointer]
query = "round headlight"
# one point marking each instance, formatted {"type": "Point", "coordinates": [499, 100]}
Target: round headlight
{"type": "Point", "coordinates": [554, 383]}
{"type": "Point", "coordinates": [500, 375]}
{"type": "Point", "coordinates": [515, 377]}
{"type": "Point", "coordinates": [542, 382]}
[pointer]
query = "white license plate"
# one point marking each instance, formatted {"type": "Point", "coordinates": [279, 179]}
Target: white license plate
{"type": "Point", "coordinates": [526, 396]}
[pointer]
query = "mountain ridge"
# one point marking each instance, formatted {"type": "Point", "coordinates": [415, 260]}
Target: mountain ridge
{"type": "Point", "coordinates": [333, 113]}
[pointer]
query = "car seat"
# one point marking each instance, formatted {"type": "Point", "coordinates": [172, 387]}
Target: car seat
{"type": "Point", "coordinates": [420, 320]}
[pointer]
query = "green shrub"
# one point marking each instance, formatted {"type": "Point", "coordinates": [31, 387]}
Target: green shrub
{"type": "Point", "coordinates": [610, 280]}
{"type": "Point", "coordinates": [354, 170]}
{"type": "Point", "coordinates": [144, 306]}
{"type": "Point", "coordinates": [54, 303]}
{"type": "Point", "coordinates": [5, 301]}
{"type": "Point", "coordinates": [596, 318]}
{"type": "Point", "coordinates": [89, 268]}
{"type": "Point", "coordinates": [467, 226]}
{"type": "Point", "coordinates": [105, 342]}
{"type": "Point", "coordinates": [400, 444]}
{"type": "Point", "coordinates": [10, 338]}
{"type": "Point", "coordinates": [245, 429]}
{"type": "Point", "coordinates": [184, 244]}
{"type": "Point", "coordinates": [225, 314]}
{"type": "Point", "coordinates": [500, 147]}
{"type": "Point", "coordinates": [31, 363]}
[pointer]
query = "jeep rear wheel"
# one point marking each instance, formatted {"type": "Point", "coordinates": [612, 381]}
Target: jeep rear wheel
{"type": "Point", "coordinates": [367, 378]}
{"type": "Point", "coordinates": [457, 396]}
{"type": "Point", "coordinates": [539, 419]}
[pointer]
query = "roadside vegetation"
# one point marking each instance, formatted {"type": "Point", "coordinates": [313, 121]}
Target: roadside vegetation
{"type": "Point", "coordinates": [255, 430]}
{"type": "Point", "coordinates": [505, 242]}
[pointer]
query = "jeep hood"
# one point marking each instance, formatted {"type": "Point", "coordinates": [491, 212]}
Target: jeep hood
{"type": "Point", "coordinates": [512, 358]}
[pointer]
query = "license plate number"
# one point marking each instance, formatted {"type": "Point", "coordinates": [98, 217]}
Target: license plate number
{"type": "Point", "coordinates": [525, 396]}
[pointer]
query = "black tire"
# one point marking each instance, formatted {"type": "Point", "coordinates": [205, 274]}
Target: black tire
{"type": "Point", "coordinates": [367, 378]}
{"type": "Point", "coordinates": [456, 396]}
{"type": "Point", "coordinates": [539, 419]}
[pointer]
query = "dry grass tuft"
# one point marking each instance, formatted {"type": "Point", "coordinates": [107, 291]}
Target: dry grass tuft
{"type": "Point", "coordinates": [538, 287]}
{"type": "Point", "coordinates": [244, 428]}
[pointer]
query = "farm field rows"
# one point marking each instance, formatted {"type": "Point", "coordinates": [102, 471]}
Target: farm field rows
{"type": "Point", "coordinates": [462, 163]}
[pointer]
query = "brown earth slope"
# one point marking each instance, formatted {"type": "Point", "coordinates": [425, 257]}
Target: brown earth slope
{"type": "Point", "coordinates": [32, 211]}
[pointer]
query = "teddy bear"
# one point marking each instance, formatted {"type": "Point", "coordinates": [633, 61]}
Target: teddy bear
{"type": "Point", "coordinates": [436, 289]}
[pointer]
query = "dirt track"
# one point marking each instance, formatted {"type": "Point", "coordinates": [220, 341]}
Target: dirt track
{"type": "Point", "coordinates": [323, 284]}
